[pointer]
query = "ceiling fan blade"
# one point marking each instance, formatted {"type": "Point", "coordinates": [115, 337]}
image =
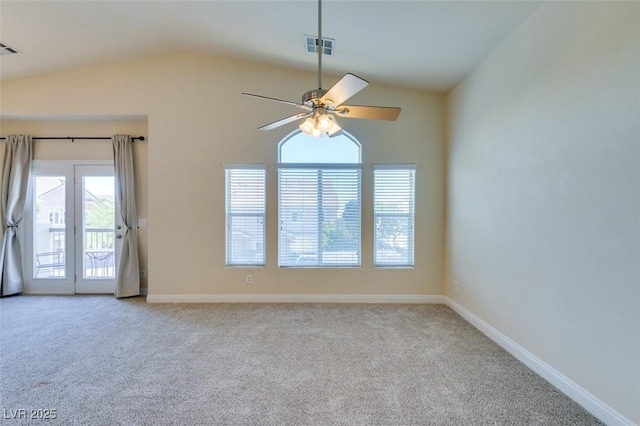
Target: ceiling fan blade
{"type": "Point", "coordinates": [279, 100]}
{"type": "Point", "coordinates": [368, 112]}
{"type": "Point", "coordinates": [284, 121]}
{"type": "Point", "coordinates": [348, 86]}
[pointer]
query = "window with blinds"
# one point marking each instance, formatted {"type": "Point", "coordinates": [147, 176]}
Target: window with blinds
{"type": "Point", "coordinates": [394, 215]}
{"type": "Point", "coordinates": [245, 215]}
{"type": "Point", "coordinates": [319, 203]}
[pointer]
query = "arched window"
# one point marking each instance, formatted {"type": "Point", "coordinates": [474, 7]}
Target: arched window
{"type": "Point", "coordinates": [299, 147]}
{"type": "Point", "coordinates": [319, 182]}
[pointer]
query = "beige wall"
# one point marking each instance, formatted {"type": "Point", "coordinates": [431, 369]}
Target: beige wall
{"type": "Point", "coordinates": [543, 194]}
{"type": "Point", "coordinates": [83, 150]}
{"type": "Point", "coordinates": [197, 121]}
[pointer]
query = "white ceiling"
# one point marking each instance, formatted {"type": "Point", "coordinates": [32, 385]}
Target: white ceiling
{"type": "Point", "coordinates": [424, 44]}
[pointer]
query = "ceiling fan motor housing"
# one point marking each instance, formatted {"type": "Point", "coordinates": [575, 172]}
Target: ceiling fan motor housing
{"type": "Point", "coordinates": [312, 98]}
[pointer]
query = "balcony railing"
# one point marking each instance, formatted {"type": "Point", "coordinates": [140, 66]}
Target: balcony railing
{"type": "Point", "coordinates": [98, 253]}
{"type": "Point", "coordinates": [99, 238]}
{"type": "Point", "coordinates": [95, 238]}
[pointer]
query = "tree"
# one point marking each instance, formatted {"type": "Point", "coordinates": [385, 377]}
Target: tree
{"type": "Point", "coordinates": [390, 227]}
{"type": "Point", "coordinates": [101, 214]}
{"type": "Point", "coordinates": [343, 233]}
{"type": "Point", "coordinates": [333, 237]}
{"type": "Point", "coordinates": [351, 220]}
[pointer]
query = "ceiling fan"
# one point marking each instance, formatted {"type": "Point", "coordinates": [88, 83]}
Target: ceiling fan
{"type": "Point", "coordinates": [321, 105]}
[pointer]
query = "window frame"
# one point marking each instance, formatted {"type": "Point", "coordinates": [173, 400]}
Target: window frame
{"type": "Point", "coordinates": [282, 212]}
{"type": "Point", "coordinates": [229, 215]}
{"type": "Point", "coordinates": [410, 216]}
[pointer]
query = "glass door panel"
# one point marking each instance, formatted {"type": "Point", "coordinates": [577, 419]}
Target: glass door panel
{"type": "Point", "coordinates": [98, 217]}
{"type": "Point", "coordinates": [96, 242]}
{"type": "Point", "coordinates": [48, 257]}
{"type": "Point", "coordinates": [49, 227]}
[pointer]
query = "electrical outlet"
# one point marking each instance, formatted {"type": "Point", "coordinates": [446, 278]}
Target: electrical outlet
{"type": "Point", "coordinates": [249, 279]}
{"type": "Point", "coordinates": [456, 285]}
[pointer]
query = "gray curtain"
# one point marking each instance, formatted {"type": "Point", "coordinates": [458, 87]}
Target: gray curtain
{"type": "Point", "coordinates": [16, 169]}
{"type": "Point", "coordinates": [128, 283]}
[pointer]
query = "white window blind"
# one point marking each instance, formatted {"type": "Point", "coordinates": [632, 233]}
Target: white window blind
{"type": "Point", "coordinates": [319, 215]}
{"type": "Point", "coordinates": [245, 215]}
{"type": "Point", "coordinates": [394, 215]}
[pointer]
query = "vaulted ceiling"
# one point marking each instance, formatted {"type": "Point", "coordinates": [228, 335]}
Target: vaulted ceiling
{"type": "Point", "coordinates": [428, 45]}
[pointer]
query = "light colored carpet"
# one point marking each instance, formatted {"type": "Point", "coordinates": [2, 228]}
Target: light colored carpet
{"type": "Point", "coordinates": [101, 361]}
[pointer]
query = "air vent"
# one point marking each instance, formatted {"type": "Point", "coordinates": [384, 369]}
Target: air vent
{"type": "Point", "coordinates": [6, 49]}
{"type": "Point", "coordinates": [311, 44]}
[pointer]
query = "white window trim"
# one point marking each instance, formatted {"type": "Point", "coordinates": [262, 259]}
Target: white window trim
{"type": "Point", "coordinates": [412, 214]}
{"type": "Point", "coordinates": [228, 262]}
{"type": "Point", "coordinates": [245, 166]}
{"type": "Point", "coordinates": [390, 166]}
{"type": "Point", "coordinates": [320, 167]}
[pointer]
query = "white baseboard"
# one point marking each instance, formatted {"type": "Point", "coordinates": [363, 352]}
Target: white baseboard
{"type": "Point", "coordinates": [583, 397]}
{"type": "Point", "coordinates": [294, 298]}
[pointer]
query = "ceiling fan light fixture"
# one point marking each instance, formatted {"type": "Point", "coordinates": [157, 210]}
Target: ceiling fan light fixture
{"type": "Point", "coordinates": [308, 126]}
{"type": "Point", "coordinates": [320, 123]}
{"type": "Point", "coordinates": [325, 121]}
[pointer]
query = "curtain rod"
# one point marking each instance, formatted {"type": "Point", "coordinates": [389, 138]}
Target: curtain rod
{"type": "Point", "coordinates": [73, 138]}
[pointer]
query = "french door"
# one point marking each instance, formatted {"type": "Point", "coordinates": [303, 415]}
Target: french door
{"type": "Point", "coordinates": [73, 231]}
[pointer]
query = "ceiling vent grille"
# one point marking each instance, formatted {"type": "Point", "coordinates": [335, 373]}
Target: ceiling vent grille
{"type": "Point", "coordinates": [6, 49]}
{"type": "Point", "coordinates": [311, 44]}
